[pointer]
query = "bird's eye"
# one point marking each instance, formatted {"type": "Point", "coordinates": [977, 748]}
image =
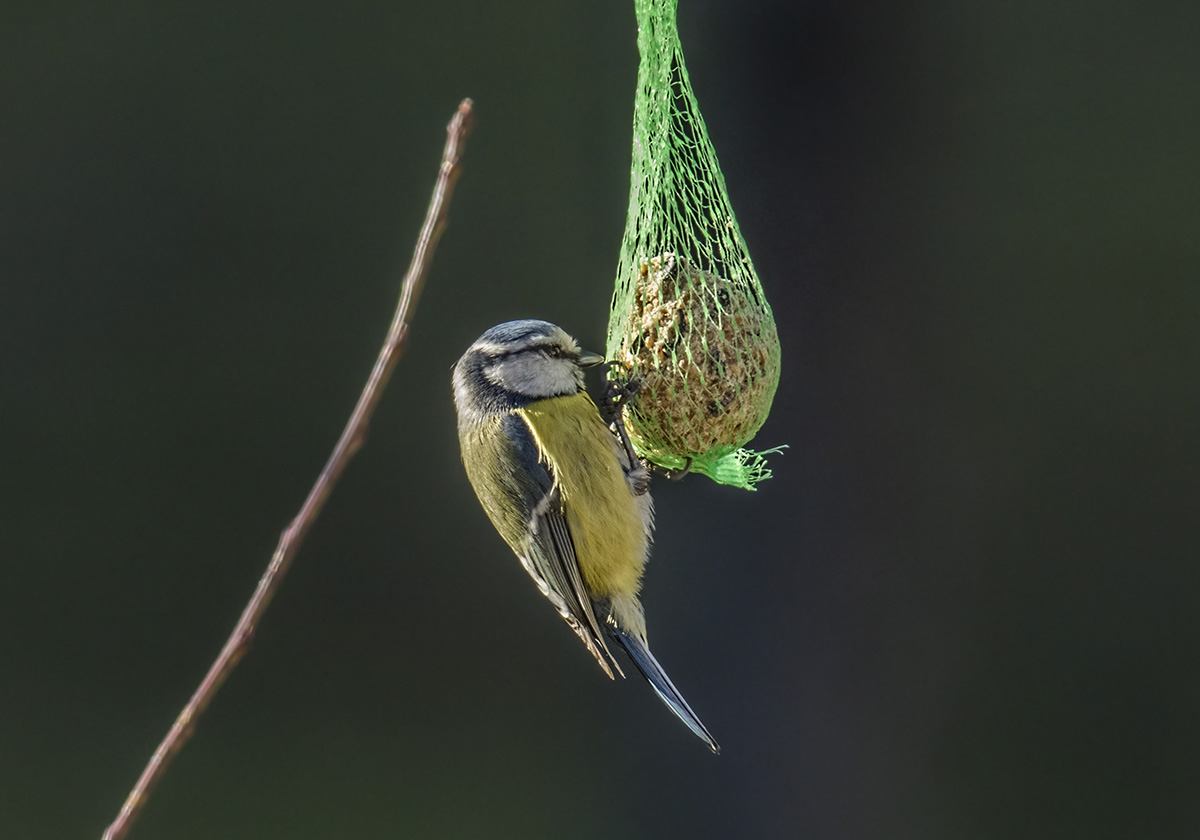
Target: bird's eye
{"type": "Point", "coordinates": [554, 351]}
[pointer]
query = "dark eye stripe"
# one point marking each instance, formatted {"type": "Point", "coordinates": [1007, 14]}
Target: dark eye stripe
{"type": "Point", "coordinates": [553, 351]}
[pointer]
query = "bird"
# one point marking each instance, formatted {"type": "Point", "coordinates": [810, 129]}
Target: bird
{"type": "Point", "coordinates": [569, 498]}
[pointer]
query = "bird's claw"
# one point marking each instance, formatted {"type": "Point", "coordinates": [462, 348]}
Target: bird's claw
{"type": "Point", "coordinates": [616, 396]}
{"type": "Point", "coordinates": [676, 475]}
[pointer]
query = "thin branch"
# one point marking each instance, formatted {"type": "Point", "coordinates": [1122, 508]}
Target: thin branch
{"type": "Point", "coordinates": [352, 438]}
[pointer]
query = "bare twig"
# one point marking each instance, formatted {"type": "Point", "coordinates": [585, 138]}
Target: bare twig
{"type": "Point", "coordinates": [352, 438]}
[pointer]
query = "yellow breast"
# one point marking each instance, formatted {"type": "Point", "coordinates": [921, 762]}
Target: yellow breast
{"type": "Point", "coordinates": [608, 532]}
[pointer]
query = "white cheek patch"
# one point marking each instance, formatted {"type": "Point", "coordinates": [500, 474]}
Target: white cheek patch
{"type": "Point", "coordinates": [533, 375]}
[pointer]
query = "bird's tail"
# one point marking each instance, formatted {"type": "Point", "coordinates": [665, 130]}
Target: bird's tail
{"type": "Point", "coordinates": [657, 677]}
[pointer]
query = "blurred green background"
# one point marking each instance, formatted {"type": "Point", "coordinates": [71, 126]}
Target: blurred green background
{"type": "Point", "coordinates": [965, 607]}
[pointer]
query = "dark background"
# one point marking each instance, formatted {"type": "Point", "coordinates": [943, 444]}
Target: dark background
{"type": "Point", "coordinates": [966, 605]}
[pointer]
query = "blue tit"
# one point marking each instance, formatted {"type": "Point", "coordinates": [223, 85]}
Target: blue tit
{"type": "Point", "coordinates": [561, 489]}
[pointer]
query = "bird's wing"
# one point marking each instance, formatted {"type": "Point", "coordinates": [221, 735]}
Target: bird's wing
{"type": "Point", "coordinates": [549, 555]}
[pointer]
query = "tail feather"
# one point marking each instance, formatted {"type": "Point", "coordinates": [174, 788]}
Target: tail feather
{"type": "Point", "coordinates": [658, 679]}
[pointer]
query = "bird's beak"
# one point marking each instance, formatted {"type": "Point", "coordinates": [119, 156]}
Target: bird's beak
{"type": "Point", "coordinates": [587, 359]}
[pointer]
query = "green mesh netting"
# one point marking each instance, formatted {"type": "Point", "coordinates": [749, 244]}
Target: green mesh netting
{"type": "Point", "coordinates": [689, 324]}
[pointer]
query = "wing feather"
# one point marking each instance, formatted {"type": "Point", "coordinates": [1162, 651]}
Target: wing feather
{"type": "Point", "coordinates": [549, 555]}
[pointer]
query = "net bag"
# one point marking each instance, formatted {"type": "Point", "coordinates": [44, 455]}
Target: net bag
{"type": "Point", "coordinates": [690, 333]}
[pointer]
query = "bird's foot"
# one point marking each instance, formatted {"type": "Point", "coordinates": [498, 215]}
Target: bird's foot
{"type": "Point", "coordinates": [616, 396]}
